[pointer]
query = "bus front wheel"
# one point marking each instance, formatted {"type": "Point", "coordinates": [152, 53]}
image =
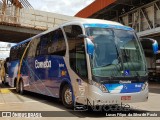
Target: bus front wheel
{"type": "Point", "coordinates": [67, 96]}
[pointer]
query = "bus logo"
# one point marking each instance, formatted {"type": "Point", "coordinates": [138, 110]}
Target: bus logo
{"type": "Point", "coordinates": [122, 81]}
{"type": "Point", "coordinates": [43, 64]}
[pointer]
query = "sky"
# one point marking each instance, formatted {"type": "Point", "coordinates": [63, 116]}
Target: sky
{"type": "Point", "coordinates": [4, 52]}
{"type": "Point", "coordinates": [66, 7]}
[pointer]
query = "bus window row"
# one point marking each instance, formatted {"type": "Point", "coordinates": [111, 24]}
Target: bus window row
{"type": "Point", "coordinates": [52, 43]}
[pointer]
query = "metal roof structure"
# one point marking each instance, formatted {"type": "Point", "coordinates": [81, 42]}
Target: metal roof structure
{"type": "Point", "coordinates": [17, 3]}
{"type": "Point", "coordinates": [111, 8]}
{"type": "Point", "coordinates": [26, 4]}
{"type": "Point", "coordinates": [141, 15]}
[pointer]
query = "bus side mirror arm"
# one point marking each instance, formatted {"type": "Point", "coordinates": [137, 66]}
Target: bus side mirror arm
{"type": "Point", "coordinates": [89, 46]}
{"type": "Point", "coordinates": [82, 36]}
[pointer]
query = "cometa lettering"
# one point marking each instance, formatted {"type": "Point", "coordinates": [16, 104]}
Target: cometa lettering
{"type": "Point", "coordinates": [43, 64]}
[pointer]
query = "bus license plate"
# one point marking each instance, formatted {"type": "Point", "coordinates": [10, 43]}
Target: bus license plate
{"type": "Point", "coordinates": [125, 97]}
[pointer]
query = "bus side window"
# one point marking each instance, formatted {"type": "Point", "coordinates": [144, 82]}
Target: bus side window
{"type": "Point", "coordinates": [57, 45]}
{"type": "Point", "coordinates": [52, 43]}
{"type": "Point", "coordinates": [22, 50]}
{"type": "Point", "coordinates": [77, 56]}
{"type": "Point", "coordinates": [43, 46]}
{"type": "Point", "coordinates": [14, 54]}
{"type": "Point", "coordinates": [32, 47]}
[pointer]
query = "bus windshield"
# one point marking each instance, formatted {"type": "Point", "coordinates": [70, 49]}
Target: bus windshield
{"type": "Point", "coordinates": [117, 53]}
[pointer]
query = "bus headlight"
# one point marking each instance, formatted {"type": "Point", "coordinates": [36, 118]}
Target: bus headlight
{"type": "Point", "coordinates": [100, 86]}
{"type": "Point", "coordinates": [144, 86]}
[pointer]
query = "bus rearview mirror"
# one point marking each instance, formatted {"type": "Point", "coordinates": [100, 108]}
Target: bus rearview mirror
{"type": "Point", "coordinates": [149, 43]}
{"type": "Point", "coordinates": [155, 47]}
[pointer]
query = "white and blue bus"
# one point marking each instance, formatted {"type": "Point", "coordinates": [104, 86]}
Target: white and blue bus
{"type": "Point", "coordinates": [82, 60]}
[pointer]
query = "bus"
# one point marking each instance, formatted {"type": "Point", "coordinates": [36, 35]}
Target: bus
{"type": "Point", "coordinates": [82, 61]}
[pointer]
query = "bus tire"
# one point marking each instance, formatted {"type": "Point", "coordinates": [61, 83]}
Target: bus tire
{"type": "Point", "coordinates": [2, 82]}
{"type": "Point", "coordinates": [5, 83]}
{"type": "Point", "coordinates": [21, 87]}
{"type": "Point", "coordinates": [67, 96]}
{"type": "Point", "coordinates": [16, 85]}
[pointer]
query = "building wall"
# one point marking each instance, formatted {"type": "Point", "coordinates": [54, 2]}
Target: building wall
{"type": "Point", "coordinates": [41, 19]}
{"type": "Point", "coordinates": [33, 18]}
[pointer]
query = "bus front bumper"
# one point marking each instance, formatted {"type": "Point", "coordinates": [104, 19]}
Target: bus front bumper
{"type": "Point", "coordinates": [96, 97]}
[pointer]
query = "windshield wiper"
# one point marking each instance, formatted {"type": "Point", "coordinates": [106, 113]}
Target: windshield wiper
{"type": "Point", "coordinates": [119, 55]}
{"type": "Point", "coordinates": [106, 65]}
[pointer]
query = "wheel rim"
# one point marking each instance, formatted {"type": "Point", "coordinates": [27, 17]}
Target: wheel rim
{"type": "Point", "coordinates": [68, 96]}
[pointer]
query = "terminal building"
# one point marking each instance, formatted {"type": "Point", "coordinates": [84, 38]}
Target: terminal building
{"type": "Point", "coordinates": [142, 15]}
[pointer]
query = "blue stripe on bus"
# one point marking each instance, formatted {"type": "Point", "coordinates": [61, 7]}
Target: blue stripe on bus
{"type": "Point", "coordinates": [124, 88]}
{"type": "Point", "coordinates": [109, 26]}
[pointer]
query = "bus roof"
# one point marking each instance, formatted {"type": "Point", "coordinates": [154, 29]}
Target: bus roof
{"type": "Point", "coordinates": [91, 21]}
{"type": "Point", "coordinates": [98, 23]}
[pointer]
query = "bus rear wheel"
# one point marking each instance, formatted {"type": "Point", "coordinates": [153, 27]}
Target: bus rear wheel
{"type": "Point", "coordinates": [67, 97]}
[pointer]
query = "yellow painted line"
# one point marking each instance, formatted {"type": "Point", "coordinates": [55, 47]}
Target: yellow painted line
{"type": "Point", "coordinates": [5, 91]}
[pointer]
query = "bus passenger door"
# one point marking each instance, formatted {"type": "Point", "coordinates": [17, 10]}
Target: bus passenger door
{"type": "Point", "coordinates": [77, 60]}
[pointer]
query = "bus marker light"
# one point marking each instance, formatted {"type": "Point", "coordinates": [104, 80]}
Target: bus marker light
{"type": "Point", "coordinates": [63, 73]}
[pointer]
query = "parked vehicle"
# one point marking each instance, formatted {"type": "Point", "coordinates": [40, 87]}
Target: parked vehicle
{"type": "Point", "coordinates": [6, 65]}
{"type": "Point", "coordinates": [2, 71]}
